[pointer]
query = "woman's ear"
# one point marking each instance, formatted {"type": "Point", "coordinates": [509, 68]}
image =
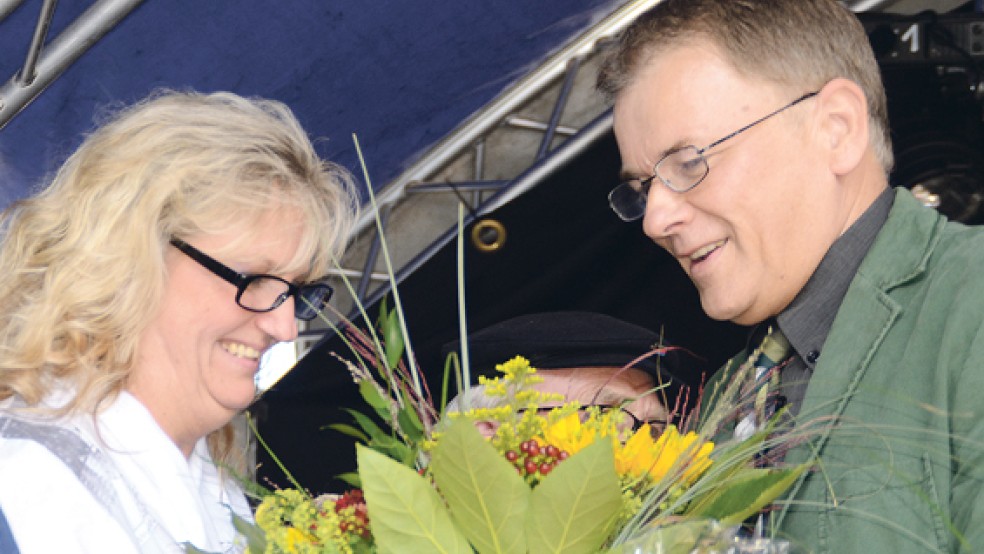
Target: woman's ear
{"type": "Point", "coordinates": [844, 124]}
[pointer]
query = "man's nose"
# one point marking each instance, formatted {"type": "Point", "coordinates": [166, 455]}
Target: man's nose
{"type": "Point", "coordinates": [665, 211]}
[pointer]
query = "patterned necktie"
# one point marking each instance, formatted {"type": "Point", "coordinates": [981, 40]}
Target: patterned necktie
{"type": "Point", "coordinates": [760, 391]}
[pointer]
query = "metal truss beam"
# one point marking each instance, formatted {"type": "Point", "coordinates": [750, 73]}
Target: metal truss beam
{"type": "Point", "coordinates": [45, 62]}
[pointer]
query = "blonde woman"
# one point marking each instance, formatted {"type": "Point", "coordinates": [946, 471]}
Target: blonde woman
{"type": "Point", "coordinates": [137, 294]}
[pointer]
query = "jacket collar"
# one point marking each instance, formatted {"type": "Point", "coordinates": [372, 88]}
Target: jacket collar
{"type": "Point", "coordinates": [899, 255]}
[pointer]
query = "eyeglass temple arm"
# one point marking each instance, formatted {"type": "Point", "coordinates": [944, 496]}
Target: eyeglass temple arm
{"type": "Point", "coordinates": [210, 263]}
{"type": "Point", "coordinates": [759, 120]}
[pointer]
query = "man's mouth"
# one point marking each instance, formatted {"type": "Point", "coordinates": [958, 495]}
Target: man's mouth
{"type": "Point", "coordinates": [703, 252]}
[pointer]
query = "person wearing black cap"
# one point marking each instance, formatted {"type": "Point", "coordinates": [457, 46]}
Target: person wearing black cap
{"type": "Point", "coordinates": [592, 358]}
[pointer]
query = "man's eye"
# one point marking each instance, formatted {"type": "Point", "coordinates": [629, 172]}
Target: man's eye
{"type": "Point", "coordinates": [691, 165]}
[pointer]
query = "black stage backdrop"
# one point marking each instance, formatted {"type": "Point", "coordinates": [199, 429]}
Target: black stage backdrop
{"type": "Point", "coordinates": [565, 250]}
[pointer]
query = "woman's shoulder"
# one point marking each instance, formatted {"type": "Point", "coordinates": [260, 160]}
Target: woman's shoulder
{"type": "Point", "coordinates": [48, 506]}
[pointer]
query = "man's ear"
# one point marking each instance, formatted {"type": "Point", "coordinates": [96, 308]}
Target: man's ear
{"type": "Point", "coordinates": [487, 428]}
{"type": "Point", "coordinates": [844, 126]}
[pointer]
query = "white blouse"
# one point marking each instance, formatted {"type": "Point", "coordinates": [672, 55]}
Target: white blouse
{"type": "Point", "coordinates": [124, 487]}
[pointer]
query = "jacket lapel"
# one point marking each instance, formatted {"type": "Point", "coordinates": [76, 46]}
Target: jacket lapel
{"type": "Point", "coordinates": [864, 319]}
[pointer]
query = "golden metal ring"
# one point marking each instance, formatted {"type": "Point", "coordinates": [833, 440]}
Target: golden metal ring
{"type": "Point", "coordinates": [488, 235]}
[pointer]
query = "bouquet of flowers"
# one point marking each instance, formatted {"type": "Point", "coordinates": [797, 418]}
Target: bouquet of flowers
{"type": "Point", "coordinates": [559, 479]}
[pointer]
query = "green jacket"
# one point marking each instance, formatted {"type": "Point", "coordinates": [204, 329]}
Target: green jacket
{"type": "Point", "coordinates": [901, 381]}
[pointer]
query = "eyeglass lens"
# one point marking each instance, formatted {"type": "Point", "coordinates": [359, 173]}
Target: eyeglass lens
{"type": "Point", "coordinates": [680, 170]}
{"type": "Point", "coordinates": [266, 292]}
{"type": "Point", "coordinates": [310, 301]}
{"type": "Point", "coordinates": [628, 421]}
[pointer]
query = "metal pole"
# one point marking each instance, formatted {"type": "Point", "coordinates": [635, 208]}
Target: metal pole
{"type": "Point", "coordinates": [28, 73]}
{"type": "Point", "coordinates": [8, 6]}
{"type": "Point", "coordinates": [63, 50]}
{"type": "Point", "coordinates": [573, 65]}
{"type": "Point", "coordinates": [865, 5]}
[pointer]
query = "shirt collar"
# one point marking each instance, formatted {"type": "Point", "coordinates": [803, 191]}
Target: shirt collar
{"type": "Point", "coordinates": [808, 318]}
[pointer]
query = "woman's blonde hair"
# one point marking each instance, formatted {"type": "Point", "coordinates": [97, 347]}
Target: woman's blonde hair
{"type": "Point", "coordinates": [799, 44]}
{"type": "Point", "coordinates": [83, 260]}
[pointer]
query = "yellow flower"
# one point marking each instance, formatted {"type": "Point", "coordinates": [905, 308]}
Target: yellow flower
{"type": "Point", "coordinates": [569, 434]}
{"type": "Point", "coordinates": [295, 538]}
{"type": "Point", "coordinates": [671, 454]}
{"type": "Point", "coordinates": [636, 457]}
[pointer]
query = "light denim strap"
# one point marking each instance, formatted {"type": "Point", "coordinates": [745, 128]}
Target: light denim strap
{"type": "Point", "coordinates": [97, 474]}
{"type": "Point", "coordinates": [7, 543]}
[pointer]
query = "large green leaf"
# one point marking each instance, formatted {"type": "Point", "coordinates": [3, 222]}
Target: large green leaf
{"type": "Point", "coordinates": [572, 510]}
{"type": "Point", "coordinates": [487, 498]}
{"type": "Point", "coordinates": [405, 512]}
{"type": "Point", "coordinates": [745, 494]}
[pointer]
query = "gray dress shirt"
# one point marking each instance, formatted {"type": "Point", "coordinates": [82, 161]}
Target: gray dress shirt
{"type": "Point", "coordinates": [807, 320]}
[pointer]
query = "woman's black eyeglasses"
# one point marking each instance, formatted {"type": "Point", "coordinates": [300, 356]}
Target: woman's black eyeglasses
{"type": "Point", "coordinates": [260, 292]}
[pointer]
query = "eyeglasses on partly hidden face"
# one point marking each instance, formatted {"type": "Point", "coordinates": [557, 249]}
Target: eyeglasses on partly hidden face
{"type": "Point", "coordinates": [260, 292]}
{"type": "Point", "coordinates": [629, 422]}
{"type": "Point", "coordinates": [679, 170]}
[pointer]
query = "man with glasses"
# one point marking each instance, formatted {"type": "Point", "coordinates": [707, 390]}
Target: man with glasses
{"type": "Point", "coordinates": [756, 150]}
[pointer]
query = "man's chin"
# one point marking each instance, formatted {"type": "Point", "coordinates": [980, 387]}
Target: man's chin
{"type": "Point", "coordinates": [723, 311]}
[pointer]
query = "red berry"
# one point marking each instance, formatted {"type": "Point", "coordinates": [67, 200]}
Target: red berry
{"type": "Point", "coordinates": [525, 447]}
{"type": "Point", "coordinates": [511, 455]}
{"type": "Point", "coordinates": [545, 468]}
{"type": "Point", "coordinates": [552, 451]}
{"type": "Point", "coordinates": [531, 467]}
{"type": "Point", "coordinates": [563, 455]}
{"type": "Point", "coordinates": [534, 449]}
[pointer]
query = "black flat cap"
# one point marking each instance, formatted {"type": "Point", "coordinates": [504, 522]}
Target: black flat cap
{"type": "Point", "coordinates": [567, 340]}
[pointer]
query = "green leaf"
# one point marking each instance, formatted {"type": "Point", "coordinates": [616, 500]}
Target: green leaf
{"type": "Point", "coordinates": [406, 512]}
{"type": "Point", "coordinates": [486, 497]}
{"type": "Point", "coordinates": [347, 429]}
{"type": "Point", "coordinates": [350, 478]}
{"type": "Point", "coordinates": [367, 424]}
{"type": "Point", "coordinates": [381, 441]}
{"type": "Point", "coordinates": [255, 537]}
{"type": "Point", "coordinates": [572, 510]}
{"type": "Point", "coordinates": [410, 424]}
{"type": "Point", "coordinates": [744, 495]}
{"type": "Point", "coordinates": [372, 397]}
{"type": "Point", "coordinates": [393, 341]}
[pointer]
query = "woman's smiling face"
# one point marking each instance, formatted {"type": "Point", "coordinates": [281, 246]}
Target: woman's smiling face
{"type": "Point", "coordinates": [198, 358]}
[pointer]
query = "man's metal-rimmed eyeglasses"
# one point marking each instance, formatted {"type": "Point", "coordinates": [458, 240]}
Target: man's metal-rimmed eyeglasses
{"type": "Point", "coordinates": [259, 292]}
{"type": "Point", "coordinates": [630, 421]}
{"type": "Point", "coordinates": [680, 170]}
